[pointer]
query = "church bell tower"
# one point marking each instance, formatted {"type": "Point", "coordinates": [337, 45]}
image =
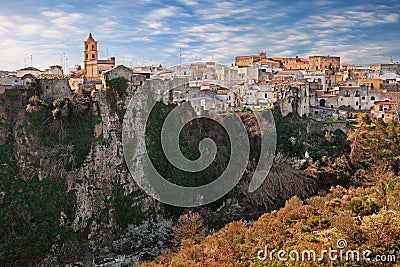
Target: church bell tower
{"type": "Point", "coordinates": [90, 53]}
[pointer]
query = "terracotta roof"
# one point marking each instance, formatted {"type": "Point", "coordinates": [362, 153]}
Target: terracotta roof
{"type": "Point", "coordinates": [223, 92]}
{"type": "Point", "coordinates": [385, 103]}
{"type": "Point", "coordinates": [287, 72]}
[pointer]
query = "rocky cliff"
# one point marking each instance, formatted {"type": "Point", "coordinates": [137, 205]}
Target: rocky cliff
{"type": "Point", "coordinates": [68, 197]}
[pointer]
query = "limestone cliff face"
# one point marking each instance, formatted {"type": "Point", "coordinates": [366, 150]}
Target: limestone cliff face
{"type": "Point", "coordinates": [64, 180]}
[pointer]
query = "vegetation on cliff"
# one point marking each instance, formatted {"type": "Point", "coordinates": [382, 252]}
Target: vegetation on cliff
{"type": "Point", "coordinates": [366, 214]}
{"type": "Point", "coordinates": [45, 146]}
{"type": "Point", "coordinates": [36, 204]}
{"type": "Point", "coordinates": [116, 95]}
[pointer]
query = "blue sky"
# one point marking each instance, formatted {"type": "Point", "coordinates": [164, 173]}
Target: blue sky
{"type": "Point", "coordinates": [153, 32]}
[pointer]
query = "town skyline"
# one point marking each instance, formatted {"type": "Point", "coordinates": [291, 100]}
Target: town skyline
{"type": "Point", "coordinates": [173, 32]}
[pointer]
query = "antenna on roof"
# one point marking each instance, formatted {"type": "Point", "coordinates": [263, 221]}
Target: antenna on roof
{"type": "Point", "coordinates": [31, 61]}
{"type": "Point", "coordinates": [25, 62]}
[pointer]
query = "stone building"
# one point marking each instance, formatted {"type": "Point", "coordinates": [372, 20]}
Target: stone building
{"type": "Point", "coordinates": [133, 79]}
{"type": "Point", "coordinates": [386, 68]}
{"type": "Point", "coordinates": [246, 61]}
{"type": "Point", "coordinates": [293, 63]}
{"type": "Point", "coordinates": [52, 88]}
{"type": "Point", "coordinates": [322, 63]}
{"type": "Point", "coordinates": [29, 70]}
{"type": "Point", "coordinates": [11, 80]}
{"type": "Point", "coordinates": [197, 71]}
{"type": "Point", "coordinates": [55, 70]}
{"type": "Point", "coordinates": [384, 110]}
{"type": "Point", "coordinates": [93, 66]}
{"type": "Point", "coordinates": [270, 63]}
{"type": "Point", "coordinates": [374, 84]}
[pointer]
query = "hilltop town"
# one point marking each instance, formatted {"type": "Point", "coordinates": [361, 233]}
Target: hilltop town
{"type": "Point", "coordinates": [321, 87]}
{"type": "Point", "coordinates": [69, 199]}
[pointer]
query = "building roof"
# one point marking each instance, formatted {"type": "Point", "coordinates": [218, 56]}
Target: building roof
{"type": "Point", "coordinates": [90, 37]}
{"type": "Point", "coordinates": [55, 67]}
{"type": "Point", "coordinates": [9, 75]}
{"type": "Point", "coordinates": [223, 91]}
{"type": "Point", "coordinates": [30, 68]}
{"type": "Point", "coordinates": [378, 103]}
{"type": "Point", "coordinates": [328, 56]}
{"type": "Point", "coordinates": [389, 76]}
{"type": "Point", "coordinates": [287, 72]}
{"type": "Point", "coordinates": [117, 67]}
{"type": "Point", "coordinates": [297, 59]}
{"type": "Point", "coordinates": [51, 77]}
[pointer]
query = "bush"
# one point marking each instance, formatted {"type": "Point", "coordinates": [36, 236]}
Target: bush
{"type": "Point", "coordinates": [60, 102]}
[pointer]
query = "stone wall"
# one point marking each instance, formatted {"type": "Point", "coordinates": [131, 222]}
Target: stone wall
{"type": "Point", "coordinates": [387, 68]}
{"type": "Point", "coordinates": [49, 89]}
{"type": "Point", "coordinates": [324, 62]}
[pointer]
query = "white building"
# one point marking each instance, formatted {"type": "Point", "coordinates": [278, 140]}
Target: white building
{"type": "Point", "coordinates": [29, 70]}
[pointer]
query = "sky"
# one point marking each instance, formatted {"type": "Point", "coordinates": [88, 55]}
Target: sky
{"type": "Point", "coordinates": [169, 32]}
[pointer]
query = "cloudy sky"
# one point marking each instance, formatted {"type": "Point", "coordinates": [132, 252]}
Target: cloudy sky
{"type": "Point", "coordinates": [154, 32]}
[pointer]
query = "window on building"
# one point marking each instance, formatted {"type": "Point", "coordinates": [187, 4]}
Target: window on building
{"type": "Point", "coordinates": [93, 56]}
{"type": "Point", "coordinates": [87, 56]}
{"type": "Point", "coordinates": [92, 46]}
{"type": "Point", "coordinates": [266, 96]}
{"type": "Point", "coordinates": [87, 47]}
